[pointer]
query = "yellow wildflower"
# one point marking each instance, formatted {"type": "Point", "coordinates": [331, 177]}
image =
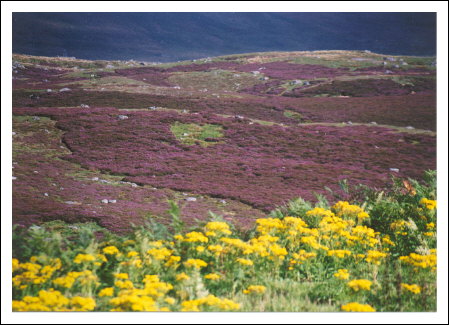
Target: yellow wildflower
{"type": "Point", "coordinates": [414, 288]}
{"type": "Point", "coordinates": [342, 274]}
{"type": "Point", "coordinates": [244, 261]}
{"type": "Point", "coordinates": [111, 250]}
{"type": "Point", "coordinates": [82, 303]}
{"type": "Point", "coordinates": [195, 263]}
{"type": "Point", "coordinates": [182, 276]}
{"type": "Point", "coordinates": [354, 306]}
{"type": "Point", "coordinates": [257, 289]}
{"type": "Point", "coordinates": [361, 284]}
{"type": "Point", "coordinates": [106, 292]}
{"type": "Point", "coordinates": [212, 276]}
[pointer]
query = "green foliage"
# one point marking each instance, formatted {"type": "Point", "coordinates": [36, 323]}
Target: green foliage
{"type": "Point", "coordinates": [190, 133]}
{"type": "Point", "coordinates": [307, 257]}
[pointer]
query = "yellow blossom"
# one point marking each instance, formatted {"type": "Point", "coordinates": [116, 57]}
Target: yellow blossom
{"type": "Point", "coordinates": [361, 284]}
{"type": "Point", "coordinates": [256, 289]}
{"type": "Point", "coordinates": [111, 250]}
{"type": "Point", "coordinates": [354, 306]}
{"type": "Point", "coordinates": [195, 263]}
{"type": "Point", "coordinates": [212, 276]}
{"type": "Point", "coordinates": [106, 292]}
{"type": "Point", "coordinates": [342, 274]}
{"type": "Point", "coordinates": [244, 261]}
{"type": "Point", "coordinates": [182, 276]}
{"type": "Point", "coordinates": [414, 288]}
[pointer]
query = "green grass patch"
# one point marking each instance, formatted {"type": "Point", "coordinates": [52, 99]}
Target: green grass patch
{"type": "Point", "coordinates": [191, 133]}
{"type": "Point", "coordinates": [293, 114]}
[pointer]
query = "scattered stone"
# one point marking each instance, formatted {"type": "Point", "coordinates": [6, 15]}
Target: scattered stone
{"type": "Point", "coordinates": [255, 72]}
{"type": "Point", "coordinates": [410, 127]}
{"type": "Point", "coordinates": [185, 111]}
{"type": "Point", "coordinates": [223, 202]}
{"type": "Point", "coordinates": [95, 178]}
{"type": "Point", "coordinates": [84, 106]}
{"type": "Point", "coordinates": [176, 87]}
{"type": "Point", "coordinates": [122, 117]}
{"type": "Point", "coordinates": [49, 90]}
{"type": "Point", "coordinates": [64, 89]}
{"type": "Point", "coordinates": [391, 59]}
{"type": "Point", "coordinates": [105, 181]}
{"type": "Point", "coordinates": [45, 80]}
{"type": "Point", "coordinates": [36, 118]}
{"type": "Point", "coordinates": [384, 63]}
{"type": "Point", "coordinates": [349, 122]}
{"type": "Point", "coordinates": [373, 123]}
{"type": "Point", "coordinates": [14, 133]}
{"type": "Point", "coordinates": [71, 202]}
{"type": "Point", "coordinates": [404, 63]}
{"type": "Point", "coordinates": [109, 66]}
{"type": "Point", "coordinates": [185, 134]}
{"type": "Point", "coordinates": [45, 194]}
{"type": "Point", "coordinates": [153, 108]}
{"type": "Point", "coordinates": [395, 170]}
{"type": "Point", "coordinates": [388, 71]}
{"type": "Point", "coordinates": [35, 171]}
{"type": "Point", "coordinates": [112, 201]}
{"type": "Point", "coordinates": [367, 51]}
{"type": "Point", "coordinates": [105, 201]}
{"type": "Point", "coordinates": [240, 117]}
{"type": "Point", "coordinates": [191, 199]}
{"type": "Point", "coordinates": [34, 96]}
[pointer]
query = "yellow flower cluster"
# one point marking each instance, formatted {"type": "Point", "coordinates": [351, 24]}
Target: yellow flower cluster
{"type": "Point", "coordinates": [430, 204]}
{"type": "Point", "coordinates": [342, 274]}
{"type": "Point", "coordinates": [343, 208]}
{"type": "Point", "coordinates": [111, 250]}
{"type": "Point", "coordinates": [195, 263]}
{"type": "Point", "coordinates": [422, 261]}
{"type": "Point", "coordinates": [53, 300]}
{"type": "Point", "coordinates": [216, 228]}
{"type": "Point", "coordinates": [374, 257]}
{"type": "Point", "coordinates": [356, 307]}
{"type": "Point", "coordinates": [361, 284]}
{"type": "Point", "coordinates": [414, 288]}
{"type": "Point", "coordinates": [255, 289]}
{"type": "Point", "coordinates": [33, 273]}
{"type": "Point", "coordinates": [209, 302]}
{"type": "Point", "coordinates": [195, 236]}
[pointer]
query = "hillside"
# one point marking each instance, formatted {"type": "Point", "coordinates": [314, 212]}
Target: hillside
{"type": "Point", "coordinates": [112, 141]}
{"type": "Point", "coordinates": [165, 37]}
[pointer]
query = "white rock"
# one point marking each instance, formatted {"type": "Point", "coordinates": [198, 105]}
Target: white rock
{"type": "Point", "coordinates": [112, 201]}
{"type": "Point", "coordinates": [64, 89]}
{"type": "Point", "coordinates": [122, 117]}
{"type": "Point", "coordinates": [410, 128]}
{"type": "Point", "coordinates": [95, 178]}
{"type": "Point", "coordinates": [14, 178]}
{"type": "Point", "coordinates": [45, 194]}
{"type": "Point", "coordinates": [191, 199]}
{"type": "Point", "coordinates": [395, 170]}
{"type": "Point", "coordinates": [49, 90]}
{"type": "Point", "coordinates": [14, 133]}
{"type": "Point", "coordinates": [105, 201]}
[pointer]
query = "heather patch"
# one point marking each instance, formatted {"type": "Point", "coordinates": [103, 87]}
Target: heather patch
{"type": "Point", "coordinates": [190, 134]}
{"type": "Point", "coordinates": [143, 149]}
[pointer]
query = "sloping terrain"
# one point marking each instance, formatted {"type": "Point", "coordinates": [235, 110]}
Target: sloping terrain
{"type": "Point", "coordinates": [112, 141]}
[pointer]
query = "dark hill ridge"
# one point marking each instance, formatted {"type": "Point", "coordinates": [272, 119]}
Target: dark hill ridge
{"type": "Point", "coordinates": [168, 37]}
